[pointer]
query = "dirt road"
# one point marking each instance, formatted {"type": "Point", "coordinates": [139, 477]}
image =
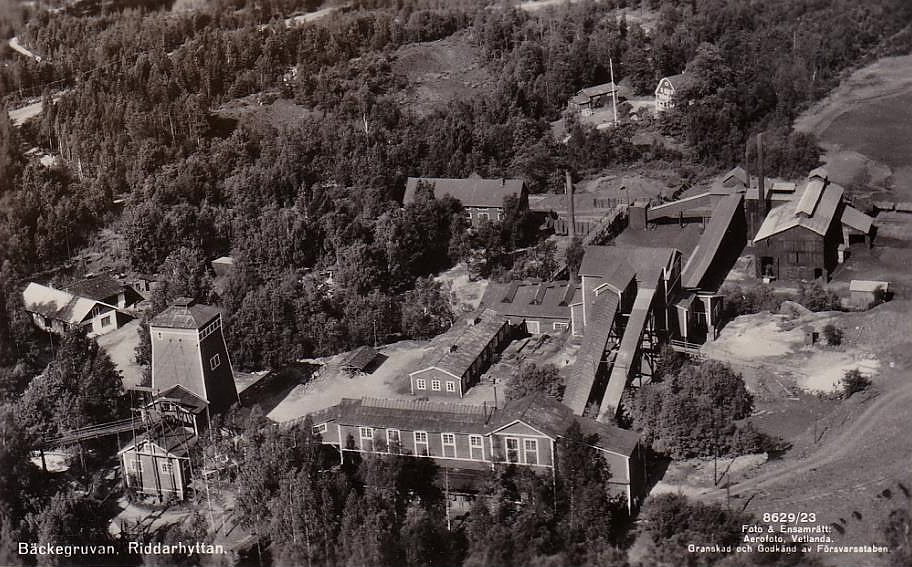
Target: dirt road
{"type": "Point", "coordinates": [852, 439]}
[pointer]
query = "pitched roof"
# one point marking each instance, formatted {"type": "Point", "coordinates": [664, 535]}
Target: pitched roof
{"type": "Point", "coordinates": [176, 441]}
{"type": "Point", "coordinates": [412, 415]}
{"type": "Point", "coordinates": [536, 410]}
{"type": "Point", "coordinates": [457, 355]}
{"type": "Point", "coordinates": [678, 81]}
{"type": "Point", "coordinates": [736, 175]}
{"type": "Point", "coordinates": [618, 264]}
{"type": "Point", "coordinates": [185, 313]}
{"type": "Point", "coordinates": [531, 299]}
{"type": "Point", "coordinates": [554, 418]}
{"type": "Point", "coordinates": [58, 304]}
{"type": "Point", "coordinates": [471, 192]}
{"type": "Point", "coordinates": [598, 90]}
{"type": "Point", "coordinates": [98, 287]}
{"type": "Point", "coordinates": [856, 219]}
{"type": "Point", "coordinates": [813, 208]}
{"type": "Point", "coordinates": [360, 358]}
{"type": "Point", "coordinates": [184, 397]}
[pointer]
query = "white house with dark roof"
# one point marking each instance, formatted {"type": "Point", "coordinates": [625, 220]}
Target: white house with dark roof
{"type": "Point", "coordinates": [189, 350]}
{"type": "Point", "coordinates": [57, 310]}
{"type": "Point", "coordinates": [668, 88]}
{"type": "Point", "coordinates": [483, 199]}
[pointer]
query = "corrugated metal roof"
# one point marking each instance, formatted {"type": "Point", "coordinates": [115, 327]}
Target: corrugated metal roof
{"type": "Point", "coordinates": [413, 415]}
{"type": "Point", "coordinates": [856, 219]}
{"type": "Point", "coordinates": [471, 192]}
{"type": "Point", "coordinates": [787, 216]}
{"type": "Point", "coordinates": [809, 199]}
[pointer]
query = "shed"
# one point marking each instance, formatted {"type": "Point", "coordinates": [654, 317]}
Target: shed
{"type": "Point", "coordinates": [865, 293]}
{"type": "Point", "coordinates": [359, 361]}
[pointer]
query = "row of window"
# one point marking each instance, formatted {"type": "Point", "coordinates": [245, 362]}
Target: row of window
{"type": "Point", "coordinates": [135, 466]}
{"type": "Point", "coordinates": [516, 452]}
{"type": "Point", "coordinates": [211, 328]}
{"type": "Point", "coordinates": [534, 327]}
{"type": "Point", "coordinates": [421, 384]}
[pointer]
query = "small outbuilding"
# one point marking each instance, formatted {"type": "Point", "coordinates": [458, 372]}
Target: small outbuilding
{"type": "Point", "coordinates": [359, 361]}
{"type": "Point", "coordinates": [866, 293]}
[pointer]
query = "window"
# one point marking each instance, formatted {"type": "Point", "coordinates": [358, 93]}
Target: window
{"type": "Point", "coordinates": [210, 328]}
{"type": "Point", "coordinates": [533, 327]}
{"type": "Point", "coordinates": [500, 215]}
{"type": "Point", "coordinates": [512, 450]}
{"type": "Point", "coordinates": [106, 321]}
{"type": "Point", "coordinates": [367, 438]}
{"type": "Point", "coordinates": [421, 443]}
{"type": "Point", "coordinates": [476, 448]}
{"type": "Point", "coordinates": [560, 326]}
{"type": "Point", "coordinates": [435, 385]}
{"type": "Point", "coordinates": [530, 451]}
{"type": "Point", "coordinates": [392, 440]}
{"type": "Point", "coordinates": [165, 467]}
{"type": "Point", "coordinates": [450, 386]}
{"type": "Point", "coordinates": [214, 362]}
{"type": "Point", "coordinates": [420, 384]}
{"type": "Point", "coordinates": [449, 444]}
{"type": "Point", "coordinates": [319, 429]}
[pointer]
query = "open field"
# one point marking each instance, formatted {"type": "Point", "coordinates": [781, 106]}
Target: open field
{"type": "Point", "coordinates": [440, 72]}
{"type": "Point", "coordinates": [865, 127]}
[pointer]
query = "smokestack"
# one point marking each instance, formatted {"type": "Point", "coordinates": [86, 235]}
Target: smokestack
{"type": "Point", "coordinates": [572, 208]}
{"type": "Point", "coordinates": [747, 163]}
{"type": "Point", "coordinates": [761, 189]}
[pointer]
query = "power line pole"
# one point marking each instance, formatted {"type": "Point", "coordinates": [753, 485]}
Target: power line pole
{"type": "Point", "coordinates": [614, 96]}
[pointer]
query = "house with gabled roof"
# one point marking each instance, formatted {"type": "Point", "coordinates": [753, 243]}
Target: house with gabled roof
{"type": "Point", "coordinates": [668, 88]}
{"type": "Point", "coordinates": [157, 462]}
{"type": "Point", "coordinates": [525, 432]}
{"type": "Point", "coordinates": [57, 310]}
{"type": "Point", "coordinates": [462, 356]}
{"type": "Point", "coordinates": [104, 288]}
{"type": "Point", "coordinates": [482, 199]}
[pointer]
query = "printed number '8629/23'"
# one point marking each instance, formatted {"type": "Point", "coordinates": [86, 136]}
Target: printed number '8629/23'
{"type": "Point", "coordinates": [790, 517]}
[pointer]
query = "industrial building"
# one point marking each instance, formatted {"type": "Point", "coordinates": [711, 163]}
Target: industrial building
{"type": "Point", "coordinates": [523, 433]}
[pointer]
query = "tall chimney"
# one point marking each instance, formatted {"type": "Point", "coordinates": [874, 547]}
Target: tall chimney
{"type": "Point", "coordinates": [761, 189]}
{"type": "Point", "coordinates": [747, 163]}
{"type": "Point", "coordinates": [571, 227]}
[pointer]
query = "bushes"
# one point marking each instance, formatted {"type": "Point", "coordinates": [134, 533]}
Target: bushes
{"type": "Point", "coordinates": [817, 298]}
{"type": "Point", "coordinates": [832, 334]}
{"type": "Point", "coordinates": [534, 378]}
{"type": "Point", "coordinates": [740, 301]}
{"type": "Point", "coordinates": [853, 382]}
